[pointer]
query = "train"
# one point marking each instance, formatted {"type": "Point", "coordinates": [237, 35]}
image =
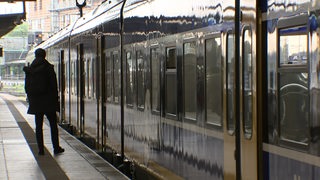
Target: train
{"type": "Point", "coordinates": [188, 89]}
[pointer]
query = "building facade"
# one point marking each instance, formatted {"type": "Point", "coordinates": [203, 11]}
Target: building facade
{"type": "Point", "coordinates": [46, 17]}
{"type": "Point", "coordinates": [14, 52]}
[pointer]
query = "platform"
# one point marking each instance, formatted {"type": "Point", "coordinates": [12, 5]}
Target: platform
{"type": "Point", "coordinates": [19, 157]}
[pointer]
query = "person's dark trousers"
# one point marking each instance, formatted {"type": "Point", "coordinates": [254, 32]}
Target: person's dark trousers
{"type": "Point", "coordinates": [53, 126]}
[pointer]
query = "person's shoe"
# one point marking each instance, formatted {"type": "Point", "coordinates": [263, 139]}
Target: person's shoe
{"type": "Point", "coordinates": [58, 151]}
{"type": "Point", "coordinates": [41, 153]}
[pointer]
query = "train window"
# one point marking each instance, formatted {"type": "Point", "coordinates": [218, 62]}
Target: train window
{"type": "Point", "coordinates": [75, 77]}
{"type": "Point", "coordinates": [130, 69]}
{"type": "Point", "coordinates": [190, 80]}
{"type": "Point", "coordinates": [116, 77]}
{"type": "Point", "coordinates": [140, 80]}
{"type": "Point", "coordinates": [87, 82]}
{"type": "Point", "coordinates": [81, 79]}
{"type": "Point", "coordinates": [67, 75]}
{"type": "Point", "coordinates": [88, 77]}
{"type": "Point", "coordinates": [293, 88]}
{"type": "Point", "coordinates": [171, 58]}
{"type": "Point", "coordinates": [91, 78]}
{"type": "Point", "coordinates": [72, 73]}
{"type": "Point", "coordinates": [171, 82]}
{"type": "Point", "coordinates": [94, 70]}
{"type": "Point", "coordinates": [294, 107]}
{"type": "Point", "coordinates": [247, 83]}
{"type": "Point", "coordinates": [231, 94]}
{"type": "Point", "coordinates": [108, 78]}
{"type": "Point", "coordinates": [155, 76]}
{"type": "Point", "coordinates": [293, 46]}
{"type": "Point", "coordinates": [214, 86]}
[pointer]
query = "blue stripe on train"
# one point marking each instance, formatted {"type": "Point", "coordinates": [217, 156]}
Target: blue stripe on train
{"type": "Point", "coordinates": [278, 167]}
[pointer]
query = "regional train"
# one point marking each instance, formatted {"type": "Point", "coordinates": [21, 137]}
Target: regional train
{"type": "Point", "coordinates": [204, 89]}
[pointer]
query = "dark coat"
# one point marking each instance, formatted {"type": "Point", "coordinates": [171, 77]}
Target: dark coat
{"type": "Point", "coordinates": [47, 101]}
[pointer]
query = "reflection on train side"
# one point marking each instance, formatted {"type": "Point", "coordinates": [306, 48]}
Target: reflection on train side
{"type": "Point", "coordinates": [294, 107]}
{"type": "Point", "coordinates": [293, 91]}
{"type": "Point", "coordinates": [293, 46]}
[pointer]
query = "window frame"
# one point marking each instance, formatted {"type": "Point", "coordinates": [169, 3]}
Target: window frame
{"type": "Point", "coordinates": [231, 130]}
{"type": "Point", "coordinates": [113, 59]}
{"type": "Point", "coordinates": [132, 75]}
{"type": "Point", "coordinates": [291, 23]}
{"type": "Point", "coordinates": [247, 135]}
{"type": "Point", "coordinates": [186, 41]}
{"type": "Point", "coordinates": [166, 71]}
{"type": "Point", "coordinates": [218, 126]}
{"type": "Point", "coordinates": [140, 105]}
{"type": "Point", "coordinates": [109, 78]}
{"type": "Point", "coordinates": [157, 49]}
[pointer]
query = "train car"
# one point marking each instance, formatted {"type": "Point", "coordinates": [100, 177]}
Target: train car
{"type": "Point", "coordinates": [176, 111]}
{"type": "Point", "coordinates": [291, 130]}
{"type": "Point", "coordinates": [195, 89]}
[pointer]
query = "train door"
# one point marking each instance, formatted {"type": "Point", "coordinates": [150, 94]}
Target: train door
{"type": "Point", "coordinates": [230, 107]}
{"type": "Point", "coordinates": [101, 96]}
{"type": "Point", "coordinates": [62, 85]}
{"type": "Point", "coordinates": [240, 131]}
{"type": "Point", "coordinates": [80, 89]}
{"type": "Point", "coordinates": [248, 105]}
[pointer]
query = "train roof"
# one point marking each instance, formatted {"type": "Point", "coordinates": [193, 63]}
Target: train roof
{"type": "Point", "coordinates": [87, 22]}
{"type": "Point", "coordinates": [110, 10]}
{"type": "Point", "coordinates": [107, 11]}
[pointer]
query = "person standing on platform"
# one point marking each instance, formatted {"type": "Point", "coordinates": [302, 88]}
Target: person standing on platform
{"type": "Point", "coordinates": [42, 93]}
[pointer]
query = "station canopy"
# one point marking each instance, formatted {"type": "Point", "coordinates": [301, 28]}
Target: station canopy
{"type": "Point", "coordinates": [9, 20]}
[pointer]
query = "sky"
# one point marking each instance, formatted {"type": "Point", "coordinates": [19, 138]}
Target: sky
{"type": "Point", "coordinates": [11, 8]}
